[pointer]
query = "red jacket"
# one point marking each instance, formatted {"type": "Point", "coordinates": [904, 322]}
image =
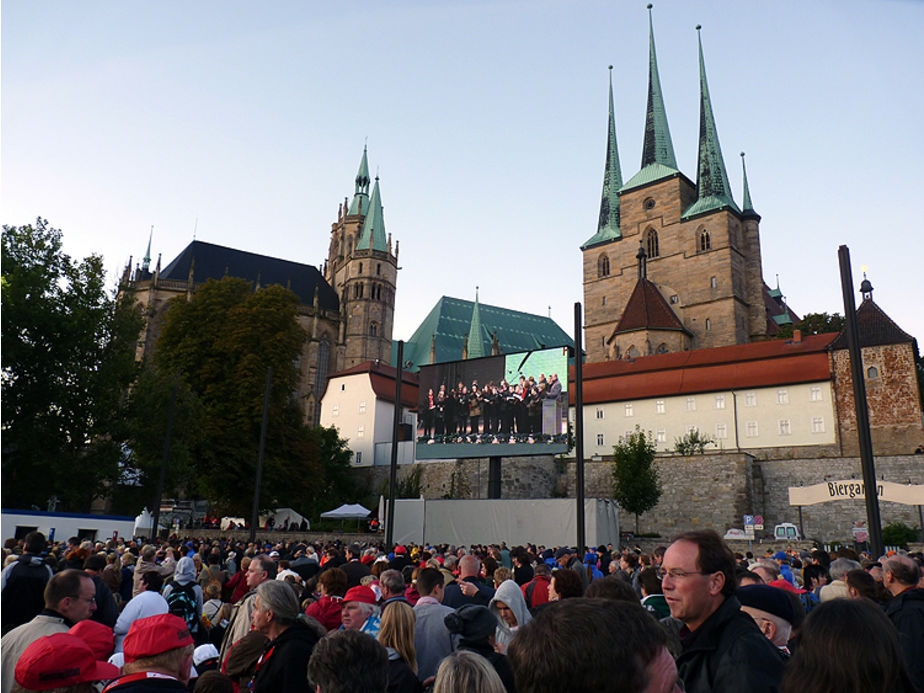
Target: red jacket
{"type": "Point", "coordinates": [327, 611]}
{"type": "Point", "coordinates": [536, 591]}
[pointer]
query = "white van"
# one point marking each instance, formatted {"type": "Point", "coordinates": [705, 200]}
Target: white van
{"type": "Point", "coordinates": [786, 531]}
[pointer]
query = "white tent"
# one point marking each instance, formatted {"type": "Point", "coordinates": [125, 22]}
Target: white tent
{"type": "Point", "coordinates": [280, 515]}
{"type": "Point", "coordinates": [347, 511]}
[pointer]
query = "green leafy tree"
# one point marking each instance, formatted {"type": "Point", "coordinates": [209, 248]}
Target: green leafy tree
{"type": "Point", "coordinates": [813, 323]}
{"type": "Point", "coordinates": [636, 486]}
{"type": "Point", "coordinates": [692, 442]}
{"type": "Point", "coordinates": [68, 357]}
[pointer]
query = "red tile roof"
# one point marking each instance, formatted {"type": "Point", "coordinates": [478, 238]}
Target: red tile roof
{"type": "Point", "coordinates": [382, 378]}
{"type": "Point", "coordinates": [647, 309]}
{"type": "Point", "coordinates": [761, 364]}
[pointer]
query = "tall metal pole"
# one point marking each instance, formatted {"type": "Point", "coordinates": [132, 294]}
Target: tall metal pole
{"type": "Point", "coordinates": [579, 426]}
{"type": "Point", "coordinates": [393, 480]}
{"type": "Point", "coordinates": [163, 463]}
{"type": "Point", "coordinates": [254, 516]}
{"type": "Point", "coordinates": [873, 520]}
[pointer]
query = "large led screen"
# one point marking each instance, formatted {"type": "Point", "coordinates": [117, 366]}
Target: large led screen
{"type": "Point", "coordinates": [514, 404]}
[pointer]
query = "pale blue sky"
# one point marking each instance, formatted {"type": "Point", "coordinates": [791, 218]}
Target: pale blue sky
{"type": "Point", "coordinates": [485, 120]}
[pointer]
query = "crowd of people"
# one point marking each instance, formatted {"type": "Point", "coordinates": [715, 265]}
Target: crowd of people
{"type": "Point", "coordinates": [496, 412]}
{"type": "Point", "coordinates": [226, 616]}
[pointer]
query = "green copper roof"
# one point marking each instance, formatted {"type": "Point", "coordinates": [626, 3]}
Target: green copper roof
{"type": "Point", "coordinates": [657, 147]}
{"type": "Point", "coordinates": [747, 209]}
{"type": "Point", "coordinates": [450, 322]}
{"type": "Point", "coordinates": [475, 332]}
{"type": "Point", "coordinates": [146, 260]}
{"type": "Point", "coordinates": [608, 223]}
{"type": "Point", "coordinates": [360, 203]}
{"type": "Point", "coordinates": [374, 224]}
{"type": "Point", "coordinates": [712, 189]}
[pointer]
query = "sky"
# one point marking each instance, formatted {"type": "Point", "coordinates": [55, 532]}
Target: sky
{"type": "Point", "coordinates": [243, 123]}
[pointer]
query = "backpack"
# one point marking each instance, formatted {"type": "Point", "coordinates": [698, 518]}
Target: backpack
{"type": "Point", "coordinates": [182, 602]}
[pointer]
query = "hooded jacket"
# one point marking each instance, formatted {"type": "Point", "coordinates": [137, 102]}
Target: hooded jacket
{"type": "Point", "coordinates": [184, 575]}
{"type": "Point", "coordinates": [327, 611]}
{"type": "Point", "coordinates": [509, 593]}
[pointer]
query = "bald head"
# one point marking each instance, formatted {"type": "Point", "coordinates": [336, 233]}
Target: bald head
{"type": "Point", "coordinates": [469, 566]}
{"type": "Point", "coordinates": [900, 573]}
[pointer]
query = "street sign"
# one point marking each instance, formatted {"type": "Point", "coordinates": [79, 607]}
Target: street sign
{"type": "Point", "coordinates": [748, 521]}
{"type": "Point", "coordinates": [758, 523]}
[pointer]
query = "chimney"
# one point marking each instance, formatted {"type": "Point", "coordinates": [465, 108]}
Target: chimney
{"type": "Point", "coordinates": [797, 336]}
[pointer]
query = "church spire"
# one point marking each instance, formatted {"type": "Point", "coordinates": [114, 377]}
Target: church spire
{"type": "Point", "coordinates": [475, 342]}
{"type": "Point", "coordinates": [360, 203]}
{"type": "Point", "coordinates": [373, 233]}
{"type": "Point", "coordinates": [658, 160]}
{"type": "Point", "coordinates": [608, 222]}
{"type": "Point", "coordinates": [747, 208]}
{"type": "Point", "coordinates": [712, 189]}
{"type": "Point", "coordinates": [146, 260]}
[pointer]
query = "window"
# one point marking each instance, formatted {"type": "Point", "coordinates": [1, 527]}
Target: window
{"type": "Point", "coordinates": [358, 458]}
{"type": "Point", "coordinates": [378, 269]}
{"type": "Point", "coordinates": [783, 427]}
{"type": "Point", "coordinates": [629, 411]}
{"type": "Point", "coordinates": [713, 282]}
{"type": "Point", "coordinates": [720, 401]}
{"type": "Point", "coordinates": [649, 203]}
{"type": "Point", "coordinates": [603, 266]}
{"type": "Point", "coordinates": [872, 372]}
{"type": "Point", "coordinates": [708, 324]}
{"type": "Point", "coordinates": [691, 403]}
{"type": "Point", "coordinates": [659, 406]}
{"type": "Point", "coordinates": [782, 397]}
{"type": "Point", "coordinates": [818, 424]}
{"type": "Point", "coordinates": [599, 413]}
{"type": "Point", "coordinates": [373, 329]}
{"type": "Point", "coordinates": [361, 432]}
{"type": "Point", "coordinates": [750, 429]}
{"type": "Point", "coordinates": [721, 431]}
{"type": "Point", "coordinates": [362, 407]}
{"type": "Point", "coordinates": [815, 394]}
{"type": "Point", "coordinates": [675, 299]}
{"type": "Point", "coordinates": [662, 348]}
{"type": "Point", "coordinates": [342, 388]}
{"type": "Point", "coordinates": [604, 300]}
{"type": "Point", "coordinates": [599, 440]}
{"type": "Point", "coordinates": [652, 243]}
{"type": "Point", "coordinates": [705, 243]}
{"type": "Point", "coordinates": [335, 410]}
{"type": "Point", "coordinates": [662, 435]}
{"type": "Point", "coordinates": [360, 271]}
{"type": "Point", "coordinates": [750, 399]}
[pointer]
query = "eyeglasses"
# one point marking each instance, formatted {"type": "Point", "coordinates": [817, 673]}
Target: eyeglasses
{"type": "Point", "coordinates": [678, 573]}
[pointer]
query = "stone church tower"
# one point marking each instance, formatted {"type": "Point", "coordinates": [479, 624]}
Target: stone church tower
{"type": "Point", "coordinates": [674, 265]}
{"type": "Point", "coordinates": [363, 270]}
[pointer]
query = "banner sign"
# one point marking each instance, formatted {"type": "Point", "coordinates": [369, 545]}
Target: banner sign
{"type": "Point", "coordinates": [852, 489]}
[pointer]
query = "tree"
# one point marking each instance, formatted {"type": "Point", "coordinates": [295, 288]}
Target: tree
{"type": "Point", "coordinates": [68, 357]}
{"type": "Point", "coordinates": [636, 486]}
{"type": "Point", "coordinates": [813, 323]}
{"type": "Point", "coordinates": [692, 442]}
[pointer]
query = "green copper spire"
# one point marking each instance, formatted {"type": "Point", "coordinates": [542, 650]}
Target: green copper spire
{"type": "Point", "coordinates": [658, 159]}
{"type": "Point", "coordinates": [360, 203]}
{"type": "Point", "coordinates": [146, 260]}
{"type": "Point", "coordinates": [608, 224]}
{"type": "Point", "coordinates": [475, 342]}
{"type": "Point", "coordinates": [747, 209]}
{"type": "Point", "coordinates": [374, 224]}
{"type": "Point", "coordinates": [712, 189]}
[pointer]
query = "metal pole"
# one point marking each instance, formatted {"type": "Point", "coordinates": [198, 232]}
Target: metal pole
{"type": "Point", "coordinates": [163, 463]}
{"type": "Point", "coordinates": [393, 480]}
{"type": "Point", "coordinates": [801, 526]}
{"type": "Point", "coordinates": [579, 426]}
{"type": "Point", "coordinates": [873, 520]}
{"type": "Point", "coordinates": [254, 516]}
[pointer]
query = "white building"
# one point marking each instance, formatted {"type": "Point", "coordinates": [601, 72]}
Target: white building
{"type": "Point", "coordinates": [359, 402]}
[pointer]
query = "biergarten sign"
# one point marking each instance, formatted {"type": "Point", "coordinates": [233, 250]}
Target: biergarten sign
{"type": "Point", "coordinates": [852, 489]}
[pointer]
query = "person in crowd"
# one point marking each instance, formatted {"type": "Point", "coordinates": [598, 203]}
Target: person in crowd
{"type": "Point", "coordinates": [476, 627]}
{"type": "Point", "coordinates": [626, 650]}
{"type": "Point", "coordinates": [567, 557]}
{"type": "Point", "coordinates": [126, 585]}
{"type": "Point", "coordinates": [107, 611]}
{"type": "Point", "coordinates": [148, 562]}
{"type": "Point", "coordinates": [212, 614]}
{"type": "Point", "coordinates": [112, 575]}
{"type": "Point", "coordinates": [432, 640]}
{"type": "Point", "coordinates": [281, 667]}
{"type": "Point", "coordinates": [772, 611]}
{"type": "Point", "coordinates": [467, 672]}
{"type": "Point", "coordinates": [397, 636]}
{"type": "Point", "coordinates": [393, 587]}
{"type": "Point", "coordinates": [70, 597]}
{"type": "Point", "coordinates": [149, 602]}
{"type": "Point", "coordinates": [61, 662]}
{"type": "Point", "coordinates": [722, 649]}
{"type": "Point", "coordinates": [354, 568]}
{"type": "Point", "coordinates": [348, 660]}
{"type": "Point", "coordinates": [509, 606]}
{"type": "Point", "coordinates": [214, 682]}
{"type": "Point", "coordinates": [862, 585]}
{"type": "Point", "coordinates": [837, 586]}
{"type": "Point", "coordinates": [360, 612]}
{"type": "Point", "coordinates": [565, 584]}
{"type": "Point", "coordinates": [901, 577]}
{"type": "Point", "coordinates": [261, 569]}
{"type": "Point", "coordinates": [611, 587]}
{"type": "Point", "coordinates": [212, 571]}
{"type": "Point", "coordinates": [522, 567]}
{"type": "Point", "coordinates": [499, 575]}
{"type": "Point", "coordinates": [326, 610]}
{"type": "Point", "coordinates": [469, 588]}
{"type": "Point", "coordinates": [184, 596]}
{"type": "Point", "coordinates": [536, 591]}
{"type": "Point", "coordinates": [23, 584]}
{"type": "Point", "coordinates": [158, 656]}
{"type": "Point", "coordinates": [400, 559]}
{"type": "Point", "coordinates": [236, 586]}
{"type": "Point", "coordinates": [848, 646]}
{"type": "Point", "coordinates": [240, 664]}
{"type": "Point", "coordinates": [653, 599]}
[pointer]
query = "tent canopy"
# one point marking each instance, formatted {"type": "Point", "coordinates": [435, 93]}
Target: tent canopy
{"type": "Point", "coordinates": [347, 511]}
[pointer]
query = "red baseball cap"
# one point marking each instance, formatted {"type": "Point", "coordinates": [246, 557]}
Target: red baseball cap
{"type": "Point", "coordinates": [97, 636]}
{"type": "Point", "coordinates": [360, 593]}
{"type": "Point", "coordinates": [59, 660]}
{"type": "Point", "coordinates": [155, 634]}
{"type": "Point", "coordinates": [399, 549]}
{"type": "Point", "coordinates": [782, 584]}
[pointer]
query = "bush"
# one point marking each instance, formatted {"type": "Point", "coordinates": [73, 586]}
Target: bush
{"type": "Point", "coordinates": [898, 534]}
{"type": "Point", "coordinates": [692, 442]}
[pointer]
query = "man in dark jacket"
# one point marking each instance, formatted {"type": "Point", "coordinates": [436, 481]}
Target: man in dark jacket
{"type": "Point", "coordinates": [23, 584]}
{"type": "Point", "coordinates": [900, 576]}
{"type": "Point", "coordinates": [106, 609]}
{"type": "Point", "coordinates": [722, 648]}
{"type": "Point", "coordinates": [469, 589]}
{"type": "Point", "coordinates": [354, 568]}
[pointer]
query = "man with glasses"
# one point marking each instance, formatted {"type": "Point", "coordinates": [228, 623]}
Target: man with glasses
{"type": "Point", "coordinates": [261, 569]}
{"type": "Point", "coordinates": [70, 596]}
{"type": "Point", "coordinates": [722, 647]}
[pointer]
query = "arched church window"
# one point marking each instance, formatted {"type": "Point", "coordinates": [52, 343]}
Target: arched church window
{"type": "Point", "coordinates": [872, 372]}
{"type": "Point", "coordinates": [603, 266]}
{"type": "Point", "coordinates": [373, 329]}
{"type": "Point", "coordinates": [653, 248]}
{"type": "Point", "coordinates": [705, 242]}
